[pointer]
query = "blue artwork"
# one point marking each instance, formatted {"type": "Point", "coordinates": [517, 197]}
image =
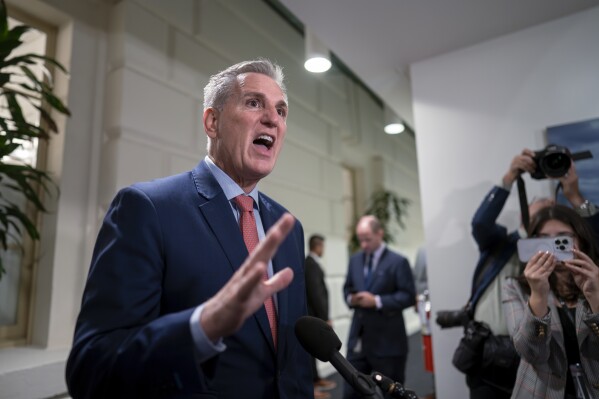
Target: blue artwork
{"type": "Point", "coordinates": [578, 137]}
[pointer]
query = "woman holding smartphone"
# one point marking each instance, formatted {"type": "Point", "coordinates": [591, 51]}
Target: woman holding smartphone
{"type": "Point", "coordinates": [552, 313]}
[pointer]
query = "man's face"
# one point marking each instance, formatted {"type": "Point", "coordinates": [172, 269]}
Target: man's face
{"type": "Point", "coordinates": [369, 241]}
{"type": "Point", "coordinates": [248, 134]}
{"type": "Point", "coordinates": [319, 248]}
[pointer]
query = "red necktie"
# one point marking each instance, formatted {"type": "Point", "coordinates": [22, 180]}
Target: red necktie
{"type": "Point", "coordinates": [247, 223]}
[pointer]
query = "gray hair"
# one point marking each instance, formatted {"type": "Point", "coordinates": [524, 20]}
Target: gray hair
{"type": "Point", "coordinates": [221, 85]}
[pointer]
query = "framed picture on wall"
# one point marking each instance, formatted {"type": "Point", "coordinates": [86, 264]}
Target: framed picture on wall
{"type": "Point", "coordinates": [579, 137]}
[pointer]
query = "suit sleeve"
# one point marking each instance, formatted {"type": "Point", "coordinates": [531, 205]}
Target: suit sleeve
{"type": "Point", "coordinates": [485, 230]}
{"type": "Point", "coordinates": [316, 292]}
{"type": "Point", "coordinates": [531, 335]}
{"type": "Point", "coordinates": [405, 294]}
{"type": "Point", "coordinates": [123, 346]}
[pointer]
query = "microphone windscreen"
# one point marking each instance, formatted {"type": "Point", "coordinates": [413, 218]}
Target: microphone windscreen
{"type": "Point", "coordinates": [317, 337]}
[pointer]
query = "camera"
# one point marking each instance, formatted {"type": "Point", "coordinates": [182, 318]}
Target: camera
{"type": "Point", "coordinates": [453, 318]}
{"type": "Point", "coordinates": [552, 161]}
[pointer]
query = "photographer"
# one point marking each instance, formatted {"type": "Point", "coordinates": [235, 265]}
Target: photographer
{"type": "Point", "coordinates": [498, 260]}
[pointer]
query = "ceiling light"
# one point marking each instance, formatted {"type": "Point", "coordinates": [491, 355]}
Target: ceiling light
{"type": "Point", "coordinates": [393, 123]}
{"type": "Point", "coordinates": [318, 58]}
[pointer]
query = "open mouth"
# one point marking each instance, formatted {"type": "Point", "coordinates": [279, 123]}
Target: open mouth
{"type": "Point", "coordinates": [265, 140]}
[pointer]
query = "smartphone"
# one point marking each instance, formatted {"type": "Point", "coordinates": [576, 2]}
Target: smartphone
{"type": "Point", "coordinates": [560, 247]}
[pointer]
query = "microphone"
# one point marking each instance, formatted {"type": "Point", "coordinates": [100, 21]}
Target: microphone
{"type": "Point", "coordinates": [319, 340]}
{"type": "Point", "coordinates": [394, 389]}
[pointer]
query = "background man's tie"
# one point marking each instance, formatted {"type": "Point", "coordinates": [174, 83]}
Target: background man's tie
{"type": "Point", "coordinates": [368, 269]}
{"type": "Point", "coordinates": [247, 223]}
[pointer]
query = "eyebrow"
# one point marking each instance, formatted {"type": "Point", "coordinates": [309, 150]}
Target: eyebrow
{"type": "Point", "coordinates": [262, 96]}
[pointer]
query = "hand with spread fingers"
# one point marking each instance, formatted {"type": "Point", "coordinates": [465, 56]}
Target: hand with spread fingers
{"type": "Point", "coordinates": [586, 276]}
{"type": "Point", "coordinates": [246, 291]}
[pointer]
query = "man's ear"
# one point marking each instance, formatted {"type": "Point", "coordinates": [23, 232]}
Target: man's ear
{"type": "Point", "coordinates": [210, 120]}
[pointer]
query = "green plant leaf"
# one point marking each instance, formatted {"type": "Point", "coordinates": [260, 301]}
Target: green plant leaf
{"type": "Point", "coordinates": [24, 88]}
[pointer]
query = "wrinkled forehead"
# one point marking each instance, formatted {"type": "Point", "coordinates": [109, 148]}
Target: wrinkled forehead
{"type": "Point", "coordinates": [258, 82]}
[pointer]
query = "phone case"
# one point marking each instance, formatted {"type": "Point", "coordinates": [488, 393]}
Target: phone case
{"type": "Point", "coordinates": [560, 246]}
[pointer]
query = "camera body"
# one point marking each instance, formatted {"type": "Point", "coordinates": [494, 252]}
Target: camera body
{"type": "Point", "coordinates": [453, 318]}
{"type": "Point", "coordinates": [553, 161]}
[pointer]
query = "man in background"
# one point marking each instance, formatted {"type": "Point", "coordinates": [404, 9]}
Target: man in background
{"type": "Point", "coordinates": [379, 286]}
{"type": "Point", "coordinates": [317, 297]}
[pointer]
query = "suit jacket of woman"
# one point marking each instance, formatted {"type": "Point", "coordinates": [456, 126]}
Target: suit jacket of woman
{"type": "Point", "coordinates": [165, 247]}
{"type": "Point", "coordinates": [382, 331]}
{"type": "Point", "coordinates": [540, 343]}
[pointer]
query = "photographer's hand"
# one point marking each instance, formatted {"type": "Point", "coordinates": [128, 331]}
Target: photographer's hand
{"type": "Point", "coordinates": [522, 162]}
{"type": "Point", "coordinates": [537, 272]}
{"type": "Point", "coordinates": [570, 187]}
{"type": "Point", "coordinates": [586, 276]}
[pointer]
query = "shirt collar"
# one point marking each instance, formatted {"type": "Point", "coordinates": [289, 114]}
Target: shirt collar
{"type": "Point", "coordinates": [376, 255]}
{"type": "Point", "coordinates": [230, 188]}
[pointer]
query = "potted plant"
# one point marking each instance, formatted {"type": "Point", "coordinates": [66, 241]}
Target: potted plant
{"type": "Point", "coordinates": [20, 85]}
{"type": "Point", "coordinates": [387, 206]}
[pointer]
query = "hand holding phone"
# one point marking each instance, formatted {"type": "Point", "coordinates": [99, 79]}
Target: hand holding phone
{"type": "Point", "coordinates": [560, 247]}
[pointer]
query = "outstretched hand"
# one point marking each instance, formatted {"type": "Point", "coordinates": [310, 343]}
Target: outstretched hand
{"type": "Point", "coordinates": [246, 291]}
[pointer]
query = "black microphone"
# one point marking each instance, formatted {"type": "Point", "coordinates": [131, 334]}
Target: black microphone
{"type": "Point", "coordinates": [319, 340]}
{"type": "Point", "coordinates": [394, 389]}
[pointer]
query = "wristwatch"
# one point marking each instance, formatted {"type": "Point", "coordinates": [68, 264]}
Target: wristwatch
{"type": "Point", "coordinates": [587, 208]}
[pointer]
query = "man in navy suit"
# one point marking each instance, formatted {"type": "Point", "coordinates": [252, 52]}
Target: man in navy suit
{"type": "Point", "coordinates": [174, 305]}
{"type": "Point", "coordinates": [379, 286]}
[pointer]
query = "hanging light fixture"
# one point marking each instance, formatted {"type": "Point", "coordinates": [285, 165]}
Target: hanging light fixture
{"type": "Point", "coordinates": [393, 123]}
{"type": "Point", "coordinates": [318, 58]}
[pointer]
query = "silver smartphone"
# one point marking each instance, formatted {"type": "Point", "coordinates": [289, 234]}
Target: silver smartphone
{"type": "Point", "coordinates": [560, 247]}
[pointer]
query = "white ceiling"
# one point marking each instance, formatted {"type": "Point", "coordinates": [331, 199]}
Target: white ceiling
{"type": "Point", "coordinates": [379, 39]}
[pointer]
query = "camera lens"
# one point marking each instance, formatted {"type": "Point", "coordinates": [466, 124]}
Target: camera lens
{"type": "Point", "coordinates": [555, 164]}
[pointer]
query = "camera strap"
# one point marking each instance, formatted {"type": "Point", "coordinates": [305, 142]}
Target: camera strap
{"type": "Point", "coordinates": [523, 202]}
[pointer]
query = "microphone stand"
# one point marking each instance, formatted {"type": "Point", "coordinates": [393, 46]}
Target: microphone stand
{"type": "Point", "coordinates": [360, 382]}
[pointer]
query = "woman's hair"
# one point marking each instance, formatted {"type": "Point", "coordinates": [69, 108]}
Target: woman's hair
{"type": "Point", "coordinates": [587, 242]}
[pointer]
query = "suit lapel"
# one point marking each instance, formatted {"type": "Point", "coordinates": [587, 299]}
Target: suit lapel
{"type": "Point", "coordinates": [378, 271]}
{"type": "Point", "coordinates": [215, 209]}
{"type": "Point", "coordinates": [269, 218]}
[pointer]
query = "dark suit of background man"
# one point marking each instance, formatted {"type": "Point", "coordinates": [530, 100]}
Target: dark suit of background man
{"type": "Point", "coordinates": [317, 297]}
{"type": "Point", "coordinates": [379, 286]}
{"type": "Point", "coordinates": [173, 305]}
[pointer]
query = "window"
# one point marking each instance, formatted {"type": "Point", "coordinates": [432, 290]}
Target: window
{"type": "Point", "coordinates": [20, 262]}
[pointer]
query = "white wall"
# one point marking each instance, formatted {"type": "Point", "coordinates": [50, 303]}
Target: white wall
{"type": "Point", "coordinates": [474, 110]}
